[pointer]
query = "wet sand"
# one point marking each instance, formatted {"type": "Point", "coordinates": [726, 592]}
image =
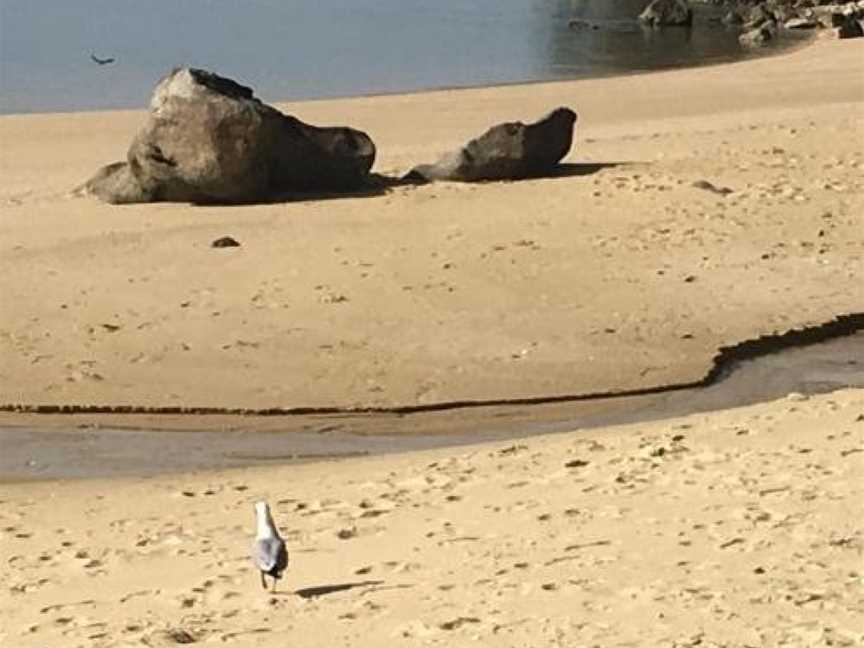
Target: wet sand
{"type": "Point", "coordinates": [85, 446]}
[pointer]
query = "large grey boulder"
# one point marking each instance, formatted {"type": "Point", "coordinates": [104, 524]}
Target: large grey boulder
{"type": "Point", "coordinates": [508, 151]}
{"type": "Point", "coordinates": [660, 13]}
{"type": "Point", "coordinates": [208, 139]}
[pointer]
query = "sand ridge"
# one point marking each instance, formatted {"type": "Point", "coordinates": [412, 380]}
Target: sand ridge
{"type": "Point", "coordinates": [739, 528]}
{"type": "Point", "coordinates": [625, 272]}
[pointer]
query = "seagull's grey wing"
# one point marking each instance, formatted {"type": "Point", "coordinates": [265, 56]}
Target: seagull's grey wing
{"type": "Point", "coordinates": [269, 554]}
{"type": "Point", "coordinates": [281, 557]}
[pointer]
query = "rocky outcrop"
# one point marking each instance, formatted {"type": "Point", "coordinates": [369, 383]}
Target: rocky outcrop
{"type": "Point", "coordinates": [208, 139]}
{"type": "Point", "coordinates": [507, 151]}
{"type": "Point", "coordinates": [660, 13]}
{"type": "Point", "coordinates": [764, 20]}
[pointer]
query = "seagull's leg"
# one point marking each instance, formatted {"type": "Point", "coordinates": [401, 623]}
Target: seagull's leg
{"type": "Point", "coordinates": [274, 584]}
{"type": "Point", "coordinates": [263, 581]}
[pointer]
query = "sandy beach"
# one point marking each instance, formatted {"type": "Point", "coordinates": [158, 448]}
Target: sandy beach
{"type": "Point", "coordinates": [735, 528]}
{"type": "Point", "coordinates": [619, 274]}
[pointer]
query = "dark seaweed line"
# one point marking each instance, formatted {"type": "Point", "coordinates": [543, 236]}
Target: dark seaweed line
{"type": "Point", "coordinates": [722, 364]}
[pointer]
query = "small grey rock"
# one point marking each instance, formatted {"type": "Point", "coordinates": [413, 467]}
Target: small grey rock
{"type": "Point", "coordinates": [708, 186]}
{"type": "Point", "coordinates": [759, 36]}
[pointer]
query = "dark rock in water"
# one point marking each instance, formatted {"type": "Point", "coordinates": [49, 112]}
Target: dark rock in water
{"type": "Point", "coordinates": [781, 13]}
{"type": "Point", "coordinates": [851, 29]}
{"type": "Point", "coordinates": [667, 12]}
{"type": "Point", "coordinates": [507, 151]}
{"type": "Point", "coordinates": [732, 17]}
{"type": "Point", "coordinates": [757, 16]}
{"type": "Point", "coordinates": [576, 23]}
{"type": "Point", "coordinates": [208, 139]}
{"type": "Point", "coordinates": [759, 36]}
{"type": "Point", "coordinates": [225, 242]}
{"type": "Point", "coordinates": [837, 15]}
{"type": "Point", "coordinates": [838, 18]}
{"type": "Point", "coordinates": [827, 15]}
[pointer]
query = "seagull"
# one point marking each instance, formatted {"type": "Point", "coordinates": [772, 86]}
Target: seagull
{"type": "Point", "coordinates": [268, 550]}
{"type": "Point", "coordinates": [101, 61]}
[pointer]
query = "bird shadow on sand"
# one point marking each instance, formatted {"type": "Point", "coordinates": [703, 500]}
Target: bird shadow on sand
{"type": "Point", "coordinates": [324, 590]}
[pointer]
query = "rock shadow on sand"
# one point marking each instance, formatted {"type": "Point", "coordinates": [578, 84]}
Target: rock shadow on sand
{"type": "Point", "coordinates": [380, 185]}
{"type": "Point", "coordinates": [575, 169]}
{"type": "Point", "coordinates": [561, 170]}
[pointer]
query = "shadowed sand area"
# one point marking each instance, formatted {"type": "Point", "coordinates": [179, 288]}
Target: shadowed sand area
{"type": "Point", "coordinates": [622, 277]}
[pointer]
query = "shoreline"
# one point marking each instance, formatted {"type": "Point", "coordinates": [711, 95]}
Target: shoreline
{"type": "Point", "coordinates": [794, 45]}
{"type": "Point", "coordinates": [791, 46]}
{"type": "Point", "coordinates": [81, 446]}
{"type": "Point", "coordinates": [847, 325]}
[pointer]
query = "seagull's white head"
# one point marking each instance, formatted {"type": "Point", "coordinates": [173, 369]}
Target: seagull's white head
{"type": "Point", "coordinates": [264, 522]}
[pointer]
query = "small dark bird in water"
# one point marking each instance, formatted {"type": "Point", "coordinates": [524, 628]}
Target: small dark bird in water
{"type": "Point", "coordinates": [101, 61]}
{"type": "Point", "coordinates": [268, 550]}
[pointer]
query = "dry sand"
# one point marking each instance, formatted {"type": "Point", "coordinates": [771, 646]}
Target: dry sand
{"type": "Point", "coordinates": [620, 274]}
{"type": "Point", "coordinates": [737, 529]}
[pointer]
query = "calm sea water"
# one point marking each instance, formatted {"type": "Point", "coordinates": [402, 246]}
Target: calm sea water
{"type": "Point", "coordinates": [317, 48]}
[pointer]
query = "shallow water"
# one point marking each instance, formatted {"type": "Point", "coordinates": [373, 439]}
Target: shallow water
{"type": "Point", "coordinates": [73, 452]}
{"type": "Point", "coordinates": [293, 49]}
